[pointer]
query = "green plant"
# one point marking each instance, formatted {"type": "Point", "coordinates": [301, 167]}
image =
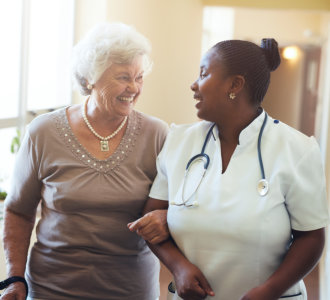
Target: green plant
{"type": "Point", "coordinates": [3, 195]}
{"type": "Point", "coordinates": [16, 142]}
{"type": "Point", "coordinates": [14, 147]}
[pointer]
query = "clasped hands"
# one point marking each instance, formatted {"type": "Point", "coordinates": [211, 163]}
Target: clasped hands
{"type": "Point", "coordinates": [152, 227]}
{"type": "Point", "coordinates": [190, 282]}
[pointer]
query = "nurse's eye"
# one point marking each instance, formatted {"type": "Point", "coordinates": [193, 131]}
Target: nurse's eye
{"type": "Point", "coordinates": [202, 75]}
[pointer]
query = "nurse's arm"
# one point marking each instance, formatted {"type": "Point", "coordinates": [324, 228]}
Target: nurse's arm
{"type": "Point", "coordinates": [304, 253]}
{"type": "Point", "coordinates": [189, 280]}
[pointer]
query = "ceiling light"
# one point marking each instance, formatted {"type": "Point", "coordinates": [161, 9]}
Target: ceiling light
{"type": "Point", "coordinates": [290, 52]}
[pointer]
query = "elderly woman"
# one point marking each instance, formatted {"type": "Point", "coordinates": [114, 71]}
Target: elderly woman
{"type": "Point", "coordinates": [248, 217]}
{"type": "Point", "coordinates": [91, 167]}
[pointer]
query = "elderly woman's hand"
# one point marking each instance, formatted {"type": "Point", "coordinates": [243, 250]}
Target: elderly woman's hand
{"type": "Point", "coordinates": [15, 291]}
{"type": "Point", "coordinates": [152, 227]}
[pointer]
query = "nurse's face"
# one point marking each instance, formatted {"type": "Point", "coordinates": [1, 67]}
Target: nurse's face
{"type": "Point", "coordinates": [212, 88]}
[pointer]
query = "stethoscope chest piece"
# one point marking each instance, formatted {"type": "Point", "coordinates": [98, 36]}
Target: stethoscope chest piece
{"type": "Point", "coordinates": [263, 187]}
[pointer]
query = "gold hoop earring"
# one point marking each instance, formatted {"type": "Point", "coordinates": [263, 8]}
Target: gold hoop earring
{"type": "Point", "coordinates": [232, 96]}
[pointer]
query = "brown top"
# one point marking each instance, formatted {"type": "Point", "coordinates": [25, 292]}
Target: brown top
{"type": "Point", "coordinates": [84, 249]}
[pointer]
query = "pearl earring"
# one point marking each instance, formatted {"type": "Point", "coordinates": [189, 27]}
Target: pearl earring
{"type": "Point", "coordinates": [89, 86]}
{"type": "Point", "coordinates": [232, 96]}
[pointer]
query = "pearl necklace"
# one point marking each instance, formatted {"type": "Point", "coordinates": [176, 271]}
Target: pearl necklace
{"type": "Point", "coordinates": [103, 140]}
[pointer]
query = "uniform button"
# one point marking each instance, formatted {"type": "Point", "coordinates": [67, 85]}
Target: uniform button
{"type": "Point", "coordinates": [276, 121]}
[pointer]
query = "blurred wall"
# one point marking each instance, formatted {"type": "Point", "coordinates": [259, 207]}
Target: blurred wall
{"type": "Point", "coordinates": [323, 110]}
{"type": "Point", "coordinates": [87, 14]}
{"type": "Point", "coordinates": [283, 4]}
{"type": "Point", "coordinates": [253, 23]}
{"type": "Point", "coordinates": [304, 28]}
{"type": "Point", "coordinates": [283, 99]}
{"type": "Point", "coordinates": [175, 31]}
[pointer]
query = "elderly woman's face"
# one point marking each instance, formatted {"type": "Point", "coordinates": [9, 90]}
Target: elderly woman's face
{"type": "Point", "coordinates": [212, 87]}
{"type": "Point", "coordinates": [119, 87]}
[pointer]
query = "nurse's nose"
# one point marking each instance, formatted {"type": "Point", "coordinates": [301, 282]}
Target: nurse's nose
{"type": "Point", "coordinates": [194, 86]}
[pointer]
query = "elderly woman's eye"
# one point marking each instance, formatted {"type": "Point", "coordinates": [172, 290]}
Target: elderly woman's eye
{"type": "Point", "coordinates": [139, 78]}
{"type": "Point", "coordinates": [202, 75]}
{"type": "Point", "coordinates": [123, 78]}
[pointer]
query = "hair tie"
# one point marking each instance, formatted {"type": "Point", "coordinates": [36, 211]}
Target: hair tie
{"type": "Point", "coordinates": [270, 49]}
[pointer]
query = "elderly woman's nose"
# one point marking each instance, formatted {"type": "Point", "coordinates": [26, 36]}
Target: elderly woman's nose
{"type": "Point", "coordinates": [133, 87]}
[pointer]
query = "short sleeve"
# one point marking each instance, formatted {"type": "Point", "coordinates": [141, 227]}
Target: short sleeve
{"type": "Point", "coordinates": [159, 189]}
{"type": "Point", "coordinates": [25, 191]}
{"type": "Point", "coordinates": [306, 198]}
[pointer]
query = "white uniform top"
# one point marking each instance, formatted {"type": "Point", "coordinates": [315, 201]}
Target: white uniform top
{"type": "Point", "coordinates": [235, 236]}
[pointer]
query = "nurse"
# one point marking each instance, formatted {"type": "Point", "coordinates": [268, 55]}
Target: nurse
{"type": "Point", "coordinates": [231, 239]}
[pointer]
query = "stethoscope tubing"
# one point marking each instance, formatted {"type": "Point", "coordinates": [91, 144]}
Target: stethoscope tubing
{"type": "Point", "coordinates": [262, 185]}
{"type": "Point", "coordinates": [202, 153]}
{"type": "Point", "coordinates": [259, 147]}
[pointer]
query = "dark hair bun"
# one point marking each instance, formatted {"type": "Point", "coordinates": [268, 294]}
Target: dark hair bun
{"type": "Point", "coordinates": [271, 52]}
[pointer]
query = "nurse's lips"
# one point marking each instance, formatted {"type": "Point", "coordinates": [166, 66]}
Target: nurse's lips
{"type": "Point", "coordinates": [199, 99]}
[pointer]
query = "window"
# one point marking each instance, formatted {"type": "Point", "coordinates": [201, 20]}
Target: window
{"type": "Point", "coordinates": [37, 40]}
{"type": "Point", "coordinates": [218, 25]}
{"type": "Point", "coordinates": [10, 25]}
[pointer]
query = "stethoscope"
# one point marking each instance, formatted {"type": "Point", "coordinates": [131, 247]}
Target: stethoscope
{"type": "Point", "coordinates": [262, 187]}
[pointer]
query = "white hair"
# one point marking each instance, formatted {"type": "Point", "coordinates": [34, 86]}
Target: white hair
{"type": "Point", "coordinates": [104, 44]}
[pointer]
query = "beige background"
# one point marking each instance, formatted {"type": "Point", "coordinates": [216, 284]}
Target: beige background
{"type": "Point", "coordinates": [174, 28]}
{"type": "Point", "coordinates": [175, 31]}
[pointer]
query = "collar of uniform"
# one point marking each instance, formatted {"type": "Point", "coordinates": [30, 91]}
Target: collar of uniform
{"type": "Point", "coordinates": [248, 133]}
{"type": "Point", "coordinates": [251, 131]}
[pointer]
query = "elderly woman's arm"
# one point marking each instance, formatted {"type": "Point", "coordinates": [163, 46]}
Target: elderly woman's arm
{"type": "Point", "coordinates": [303, 255]}
{"type": "Point", "coordinates": [16, 240]}
{"type": "Point", "coordinates": [189, 280]}
{"type": "Point", "coordinates": [152, 227]}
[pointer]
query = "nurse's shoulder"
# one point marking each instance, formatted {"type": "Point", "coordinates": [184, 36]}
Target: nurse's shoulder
{"type": "Point", "coordinates": [291, 139]}
{"type": "Point", "coordinates": [189, 132]}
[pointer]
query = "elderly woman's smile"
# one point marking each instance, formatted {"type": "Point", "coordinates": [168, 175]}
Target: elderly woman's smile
{"type": "Point", "coordinates": [128, 99]}
{"type": "Point", "coordinates": [119, 87]}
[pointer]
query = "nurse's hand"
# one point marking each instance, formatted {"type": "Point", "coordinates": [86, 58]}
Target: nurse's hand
{"type": "Point", "coordinates": [190, 282]}
{"type": "Point", "coordinates": [152, 227]}
{"type": "Point", "coordinates": [261, 292]}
